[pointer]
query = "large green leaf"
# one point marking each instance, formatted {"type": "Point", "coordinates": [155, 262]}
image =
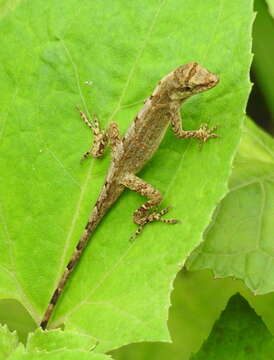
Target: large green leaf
{"type": "Point", "coordinates": [120, 291]}
{"type": "Point", "coordinates": [239, 242]}
{"type": "Point", "coordinates": [270, 4]}
{"type": "Point", "coordinates": [197, 302]}
{"type": "Point", "coordinates": [264, 55]}
{"type": "Point", "coordinates": [239, 334]}
{"type": "Point", "coordinates": [7, 5]}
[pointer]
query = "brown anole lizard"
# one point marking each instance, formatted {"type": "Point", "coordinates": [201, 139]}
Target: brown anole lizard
{"type": "Point", "coordinates": [131, 152]}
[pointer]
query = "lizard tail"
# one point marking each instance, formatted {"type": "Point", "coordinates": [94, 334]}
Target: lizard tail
{"type": "Point", "coordinates": [102, 205]}
{"type": "Point", "coordinates": [109, 194]}
{"type": "Point", "coordinates": [90, 227]}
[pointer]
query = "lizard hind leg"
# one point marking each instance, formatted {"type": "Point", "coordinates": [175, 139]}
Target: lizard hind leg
{"type": "Point", "coordinates": [145, 214]}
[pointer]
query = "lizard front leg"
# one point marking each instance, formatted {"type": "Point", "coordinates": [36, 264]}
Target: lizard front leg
{"type": "Point", "coordinates": [202, 134]}
{"type": "Point", "coordinates": [101, 137]}
{"type": "Point", "coordinates": [144, 213]}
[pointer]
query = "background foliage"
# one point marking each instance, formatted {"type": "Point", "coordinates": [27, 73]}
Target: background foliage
{"type": "Point", "coordinates": [120, 292]}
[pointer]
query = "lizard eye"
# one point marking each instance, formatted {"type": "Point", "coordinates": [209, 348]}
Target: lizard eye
{"type": "Point", "coordinates": [184, 88]}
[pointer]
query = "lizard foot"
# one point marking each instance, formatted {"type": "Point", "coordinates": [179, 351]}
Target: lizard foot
{"type": "Point", "coordinates": [157, 216]}
{"type": "Point", "coordinates": [154, 216]}
{"type": "Point", "coordinates": [204, 133]}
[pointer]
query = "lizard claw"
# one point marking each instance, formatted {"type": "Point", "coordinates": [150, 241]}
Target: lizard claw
{"type": "Point", "coordinates": [85, 156]}
{"type": "Point", "coordinates": [136, 233]}
{"type": "Point", "coordinates": [154, 216]}
{"type": "Point", "coordinates": [205, 132]}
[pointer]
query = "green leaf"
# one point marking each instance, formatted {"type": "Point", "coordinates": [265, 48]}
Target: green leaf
{"type": "Point", "coordinates": [7, 5]}
{"type": "Point", "coordinates": [48, 345]}
{"type": "Point", "coordinates": [262, 304]}
{"type": "Point", "coordinates": [270, 4]}
{"type": "Point", "coordinates": [57, 339]}
{"type": "Point", "coordinates": [8, 342]}
{"type": "Point", "coordinates": [239, 242]}
{"type": "Point", "coordinates": [120, 291]}
{"type": "Point", "coordinates": [239, 334]}
{"type": "Point", "coordinates": [197, 302]}
{"type": "Point", "coordinates": [17, 318]}
{"type": "Point", "coordinates": [20, 354]}
{"type": "Point", "coordinates": [264, 55]}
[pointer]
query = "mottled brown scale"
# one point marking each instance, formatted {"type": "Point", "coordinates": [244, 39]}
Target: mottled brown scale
{"type": "Point", "coordinates": [54, 297]}
{"type": "Point", "coordinates": [130, 154]}
{"type": "Point", "coordinates": [80, 244]}
{"type": "Point", "coordinates": [72, 262]}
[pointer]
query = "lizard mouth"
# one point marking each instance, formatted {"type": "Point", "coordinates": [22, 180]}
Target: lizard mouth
{"type": "Point", "coordinates": [199, 87]}
{"type": "Point", "coordinates": [208, 85]}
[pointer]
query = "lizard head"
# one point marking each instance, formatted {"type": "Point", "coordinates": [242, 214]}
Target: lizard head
{"type": "Point", "coordinates": [192, 79]}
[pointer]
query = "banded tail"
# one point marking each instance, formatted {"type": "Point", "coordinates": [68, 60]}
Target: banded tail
{"type": "Point", "coordinates": [107, 197]}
